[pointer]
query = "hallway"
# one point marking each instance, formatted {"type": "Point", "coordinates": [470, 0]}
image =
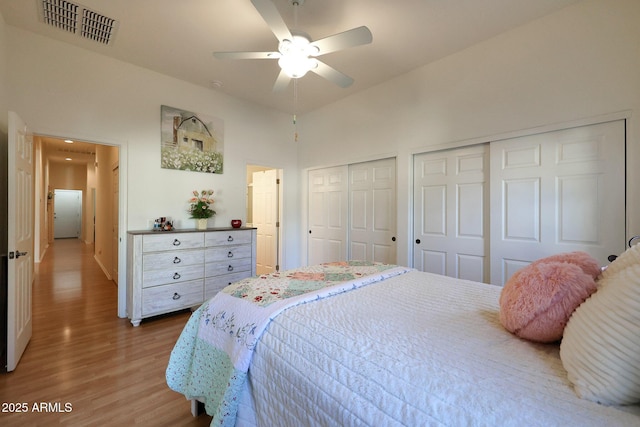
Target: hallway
{"type": "Point", "coordinates": [84, 365]}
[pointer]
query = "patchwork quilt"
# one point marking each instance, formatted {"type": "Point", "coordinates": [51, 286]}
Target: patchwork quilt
{"type": "Point", "coordinates": [212, 356]}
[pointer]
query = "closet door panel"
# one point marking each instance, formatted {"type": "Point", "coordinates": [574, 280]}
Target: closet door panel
{"type": "Point", "coordinates": [450, 211]}
{"type": "Point", "coordinates": [521, 209]}
{"type": "Point", "coordinates": [328, 209]}
{"type": "Point", "coordinates": [372, 207]}
{"type": "Point", "coordinates": [557, 192]}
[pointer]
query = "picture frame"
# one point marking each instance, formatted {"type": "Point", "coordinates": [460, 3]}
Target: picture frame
{"type": "Point", "coordinates": [191, 141]}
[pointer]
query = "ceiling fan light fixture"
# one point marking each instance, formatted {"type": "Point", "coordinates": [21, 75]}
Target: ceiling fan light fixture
{"type": "Point", "coordinates": [295, 60]}
{"type": "Point", "coordinates": [296, 66]}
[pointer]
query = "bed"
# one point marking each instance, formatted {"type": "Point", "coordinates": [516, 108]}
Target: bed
{"type": "Point", "coordinates": [361, 344]}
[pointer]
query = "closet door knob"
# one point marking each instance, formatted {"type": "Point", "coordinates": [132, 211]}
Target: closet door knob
{"type": "Point", "coordinates": [418, 241]}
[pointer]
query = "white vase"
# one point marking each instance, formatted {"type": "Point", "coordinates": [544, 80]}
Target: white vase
{"type": "Point", "coordinates": [201, 223]}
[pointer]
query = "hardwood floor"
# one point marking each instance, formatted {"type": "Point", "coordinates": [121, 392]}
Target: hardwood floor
{"type": "Point", "coordinates": [86, 365]}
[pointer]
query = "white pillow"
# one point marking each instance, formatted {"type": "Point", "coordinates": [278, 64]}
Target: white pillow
{"type": "Point", "coordinates": [600, 347]}
{"type": "Point", "coordinates": [628, 258]}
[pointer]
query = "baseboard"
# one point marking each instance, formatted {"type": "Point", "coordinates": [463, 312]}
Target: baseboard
{"type": "Point", "coordinates": [102, 267]}
{"type": "Point", "coordinates": [43, 253]}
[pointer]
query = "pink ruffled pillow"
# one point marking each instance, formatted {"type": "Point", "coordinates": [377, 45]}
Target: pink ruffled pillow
{"type": "Point", "coordinates": [537, 301]}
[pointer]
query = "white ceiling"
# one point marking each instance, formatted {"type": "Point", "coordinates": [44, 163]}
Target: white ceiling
{"type": "Point", "coordinates": [178, 37]}
{"type": "Point", "coordinates": [75, 152]}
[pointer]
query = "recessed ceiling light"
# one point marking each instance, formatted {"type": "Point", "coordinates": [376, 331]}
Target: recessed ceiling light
{"type": "Point", "coordinates": [68, 141]}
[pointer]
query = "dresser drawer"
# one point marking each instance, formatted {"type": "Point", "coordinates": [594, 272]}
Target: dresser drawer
{"type": "Point", "coordinates": [232, 265]}
{"type": "Point", "coordinates": [173, 275]}
{"type": "Point", "coordinates": [226, 253]}
{"type": "Point", "coordinates": [231, 237]}
{"type": "Point", "coordinates": [168, 260]}
{"type": "Point", "coordinates": [213, 285]}
{"type": "Point", "coordinates": [168, 241]}
{"type": "Point", "coordinates": [163, 299]}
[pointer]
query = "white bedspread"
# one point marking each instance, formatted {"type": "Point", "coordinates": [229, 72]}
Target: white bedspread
{"type": "Point", "coordinates": [213, 353]}
{"type": "Point", "coordinates": [414, 350]}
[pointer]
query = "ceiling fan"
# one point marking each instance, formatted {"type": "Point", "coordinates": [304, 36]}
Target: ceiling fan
{"type": "Point", "coordinates": [297, 53]}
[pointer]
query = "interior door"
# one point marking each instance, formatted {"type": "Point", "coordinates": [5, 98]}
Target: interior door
{"type": "Point", "coordinates": [328, 214]}
{"type": "Point", "coordinates": [557, 192]}
{"type": "Point", "coordinates": [451, 213]}
{"type": "Point", "coordinates": [67, 216]}
{"type": "Point", "coordinates": [20, 239]}
{"type": "Point", "coordinates": [372, 211]}
{"type": "Point", "coordinates": [265, 219]}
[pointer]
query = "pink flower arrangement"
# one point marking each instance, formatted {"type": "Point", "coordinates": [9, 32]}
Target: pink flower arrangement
{"type": "Point", "coordinates": [201, 204]}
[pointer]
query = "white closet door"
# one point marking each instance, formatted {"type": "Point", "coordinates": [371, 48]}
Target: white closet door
{"type": "Point", "coordinates": [265, 219]}
{"type": "Point", "coordinates": [372, 207]}
{"type": "Point", "coordinates": [557, 192]}
{"type": "Point", "coordinates": [450, 212]}
{"type": "Point", "coordinates": [328, 215]}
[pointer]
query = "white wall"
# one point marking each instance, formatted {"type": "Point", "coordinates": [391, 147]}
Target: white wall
{"type": "Point", "coordinates": [579, 64]}
{"type": "Point", "coordinates": [61, 90]}
{"type": "Point", "coordinates": [3, 140]}
{"type": "Point", "coordinates": [3, 77]}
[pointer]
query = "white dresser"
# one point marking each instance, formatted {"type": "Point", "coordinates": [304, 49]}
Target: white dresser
{"type": "Point", "coordinates": [173, 270]}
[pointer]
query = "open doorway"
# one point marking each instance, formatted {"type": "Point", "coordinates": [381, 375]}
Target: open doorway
{"type": "Point", "coordinates": [264, 205]}
{"type": "Point", "coordinates": [77, 196]}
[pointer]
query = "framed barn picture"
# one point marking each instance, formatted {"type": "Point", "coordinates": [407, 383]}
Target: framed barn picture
{"type": "Point", "coordinates": [191, 141]}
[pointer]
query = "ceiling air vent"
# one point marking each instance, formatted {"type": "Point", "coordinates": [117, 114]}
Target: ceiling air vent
{"type": "Point", "coordinates": [77, 19]}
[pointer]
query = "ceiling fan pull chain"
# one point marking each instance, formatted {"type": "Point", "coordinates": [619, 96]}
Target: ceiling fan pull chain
{"type": "Point", "coordinates": [295, 107]}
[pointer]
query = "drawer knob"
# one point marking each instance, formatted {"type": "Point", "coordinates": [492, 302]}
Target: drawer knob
{"type": "Point", "coordinates": [176, 242]}
{"type": "Point", "coordinates": [230, 254]}
{"type": "Point", "coordinates": [177, 260]}
{"type": "Point", "coordinates": [176, 296]}
{"type": "Point", "coordinates": [230, 268]}
{"type": "Point", "coordinates": [176, 275]}
{"type": "Point", "coordinates": [230, 239]}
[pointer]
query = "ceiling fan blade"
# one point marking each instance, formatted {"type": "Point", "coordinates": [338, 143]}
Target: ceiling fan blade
{"type": "Point", "coordinates": [281, 82]}
{"type": "Point", "coordinates": [247, 55]}
{"type": "Point", "coordinates": [272, 17]}
{"type": "Point", "coordinates": [332, 75]}
{"type": "Point", "coordinates": [350, 38]}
